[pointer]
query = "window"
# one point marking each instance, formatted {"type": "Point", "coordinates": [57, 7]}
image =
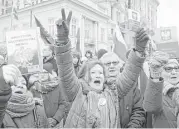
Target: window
{"type": "Point", "coordinates": [73, 26]}
{"type": "Point", "coordinates": [51, 26]}
{"type": "Point", "coordinates": [9, 10]}
{"type": "Point", "coordinates": [102, 34]}
{"type": "Point", "coordinates": [87, 31]}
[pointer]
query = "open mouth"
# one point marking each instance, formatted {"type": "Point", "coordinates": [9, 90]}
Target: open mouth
{"type": "Point", "coordinates": [97, 82]}
{"type": "Point", "coordinates": [111, 70]}
{"type": "Point", "coordinates": [19, 92]}
{"type": "Point", "coordinates": [173, 77]}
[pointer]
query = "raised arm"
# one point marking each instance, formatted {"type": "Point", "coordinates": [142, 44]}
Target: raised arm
{"type": "Point", "coordinates": [127, 79]}
{"type": "Point", "coordinates": [153, 96]}
{"type": "Point", "coordinates": [66, 73]}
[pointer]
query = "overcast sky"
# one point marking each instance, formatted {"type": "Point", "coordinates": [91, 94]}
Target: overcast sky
{"type": "Point", "coordinates": [168, 13]}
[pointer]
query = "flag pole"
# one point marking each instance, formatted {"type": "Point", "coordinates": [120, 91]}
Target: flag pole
{"type": "Point", "coordinates": [12, 11]}
{"type": "Point", "coordinates": [30, 18]}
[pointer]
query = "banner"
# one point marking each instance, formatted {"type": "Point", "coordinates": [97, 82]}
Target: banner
{"type": "Point", "coordinates": [24, 51]}
{"type": "Point", "coordinates": [166, 40]}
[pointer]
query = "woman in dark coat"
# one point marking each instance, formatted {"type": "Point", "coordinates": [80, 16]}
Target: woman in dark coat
{"type": "Point", "coordinates": [21, 110]}
{"type": "Point", "coordinates": [50, 92]}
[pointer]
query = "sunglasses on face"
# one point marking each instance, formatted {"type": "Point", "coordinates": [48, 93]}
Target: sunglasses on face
{"type": "Point", "coordinates": [170, 69]}
{"type": "Point", "coordinates": [109, 63]}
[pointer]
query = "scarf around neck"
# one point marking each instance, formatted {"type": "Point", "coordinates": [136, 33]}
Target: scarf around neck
{"type": "Point", "coordinates": [20, 105]}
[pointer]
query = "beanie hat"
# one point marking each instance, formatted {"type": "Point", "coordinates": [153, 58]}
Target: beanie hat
{"type": "Point", "coordinates": [101, 52]}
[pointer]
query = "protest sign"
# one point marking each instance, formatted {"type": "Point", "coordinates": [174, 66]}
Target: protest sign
{"type": "Point", "coordinates": [24, 51]}
{"type": "Point", "coordinates": [166, 40]}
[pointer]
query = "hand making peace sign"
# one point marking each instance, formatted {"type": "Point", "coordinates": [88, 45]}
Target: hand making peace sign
{"type": "Point", "coordinates": [63, 26]}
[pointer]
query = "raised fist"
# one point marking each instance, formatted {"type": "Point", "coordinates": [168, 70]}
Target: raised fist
{"type": "Point", "coordinates": [156, 63]}
{"type": "Point", "coordinates": [63, 28]}
{"type": "Point", "coordinates": [142, 39]}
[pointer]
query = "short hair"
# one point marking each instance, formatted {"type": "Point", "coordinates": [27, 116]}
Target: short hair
{"type": "Point", "coordinates": [85, 69]}
{"type": "Point", "coordinates": [110, 54]}
{"type": "Point", "coordinates": [91, 54]}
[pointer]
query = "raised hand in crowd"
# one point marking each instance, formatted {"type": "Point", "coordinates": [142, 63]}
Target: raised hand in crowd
{"type": "Point", "coordinates": [156, 64]}
{"type": "Point", "coordinates": [142, 39]}
{"type": "Point", "coordinates": [63, 28]}
{"type": "Point", "coordinates": [161, 95]}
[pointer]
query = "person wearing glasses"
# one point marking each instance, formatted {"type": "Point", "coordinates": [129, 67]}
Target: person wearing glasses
{"type": "Point", "coordinates": [132, 114]}
{"type": "Point", "coordinates": [161, 97]}
{"type": "Point", "coordinates": [93, 104]}
{"type": "Point", "coordinates": [47, 90]}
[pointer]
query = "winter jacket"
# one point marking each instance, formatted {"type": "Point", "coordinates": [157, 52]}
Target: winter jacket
{"type": "Point", "coordinates": [5, 94]}
{"type": "Point", "coordinates": [36, 119]}
{"type": "Point", "coordinates": [73, 87]}
{"type": "Point", "coordinates": [160, 105]}
{"type": "Point", "coordinates": [132, 114]}
{"type": "Point", "coordinates": [53, 103]}
{"type": "Point", "coordinates": [5, 120]}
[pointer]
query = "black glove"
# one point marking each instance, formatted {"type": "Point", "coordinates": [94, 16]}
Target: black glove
{"type": "Point", "coordinates": [63, 28]}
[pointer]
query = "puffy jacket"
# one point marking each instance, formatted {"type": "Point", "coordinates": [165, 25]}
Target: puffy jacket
{"type": "Point", "coordinates": [36, 119]}
{"type": "Point", "coordinates": [160, 105]}
{"type": "Point", "coordinates": [71, 84]}
{"type": "Point", "coordinates": [5, 94]}
{"type": "Point", "coordinates": [132, 114]}
{"type": "Point", "coordinates": [53, 102]}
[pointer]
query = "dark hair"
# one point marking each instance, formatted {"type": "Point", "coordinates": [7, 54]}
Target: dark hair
{"type": "Point", "coordinates": [85, 69]}
{"type": "Point", "coordinates": [89, 52]}
{"type": "Point", "coordinates": [78, 55]}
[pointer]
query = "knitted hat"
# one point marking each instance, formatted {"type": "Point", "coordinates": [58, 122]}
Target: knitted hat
{"type": "Point", "coordinates": [101, 52]}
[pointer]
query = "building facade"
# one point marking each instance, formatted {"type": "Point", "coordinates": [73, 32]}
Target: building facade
{"type": "Point", "coordinates": [96, 19]}
{"type": "Point", "coordinates": [147, 10]}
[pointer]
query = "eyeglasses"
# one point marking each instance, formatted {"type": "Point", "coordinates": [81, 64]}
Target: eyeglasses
{"type": "Point", "coordinates": [170, 69]}
{"type": "Point", "coordinates": [114, 63]}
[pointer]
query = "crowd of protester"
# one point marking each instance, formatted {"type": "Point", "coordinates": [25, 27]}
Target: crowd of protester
{"type": "Point", "coordinates": [92, 92]}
